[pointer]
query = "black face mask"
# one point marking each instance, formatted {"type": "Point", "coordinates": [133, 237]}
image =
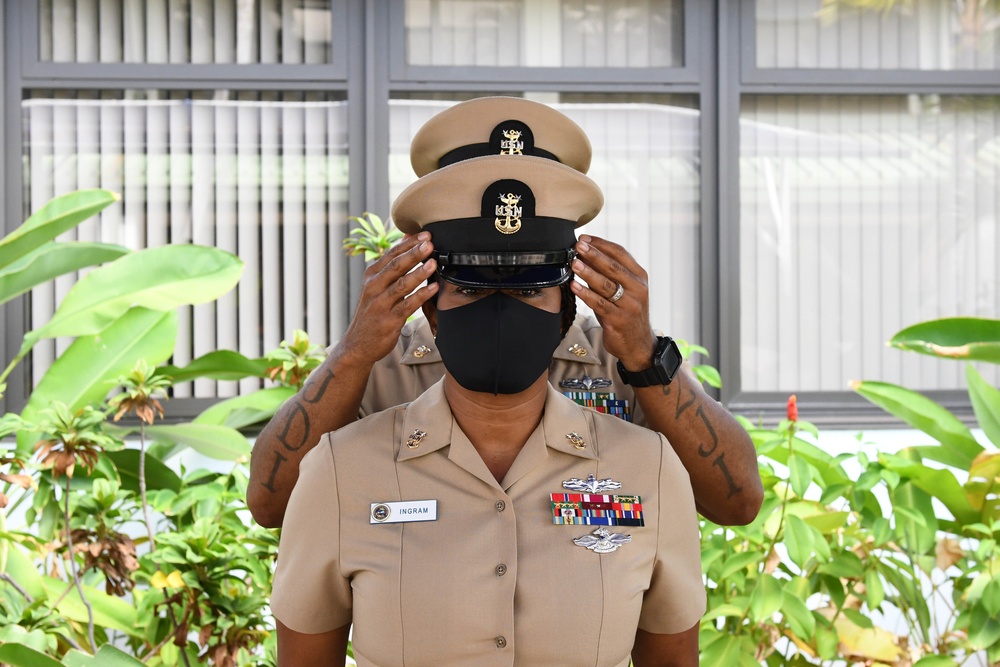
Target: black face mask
{"type": "Point", "coordinates": [497, 344]}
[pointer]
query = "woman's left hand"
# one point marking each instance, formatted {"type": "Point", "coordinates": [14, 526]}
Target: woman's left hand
{"type": "Point", "coordinates": [607, 269]}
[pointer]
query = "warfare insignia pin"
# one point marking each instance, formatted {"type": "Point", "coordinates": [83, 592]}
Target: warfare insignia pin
{"type": "Point", "coordinates": [414, 440]}
{"type": "Point", "coordinates": [591, 485]}
{"type": "Point", "coordinates": [586, 383]}
{"type": "Point", "coordinates": [605, 541]}
{"type": "Point", "coordinates": [508, 214]}
{"type": "Point", "coordinates": [577, 350]}
{"type": "Point", "coordinates": [422, 352]}
{"type": "Point", "coordinates": [576, 440]}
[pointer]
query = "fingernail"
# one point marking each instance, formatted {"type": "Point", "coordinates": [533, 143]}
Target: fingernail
{"type": "Point", "coordinates": [585, 238]}
{"type": "Point", "coordinates": [584, 246]}
{"type": "Point", "coordinates": [577, 265]}
{"type": "Point", "coordinates": [424, 246]}
{"type": "Point", "coordinates": [424, 236]}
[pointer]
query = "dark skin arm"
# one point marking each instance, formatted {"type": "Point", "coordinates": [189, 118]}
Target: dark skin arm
{"type": "Point", "coordinates": [385, 303]}
{"type": "Point", "coordinates": [716, 451]}
{"type": "Point", "coordinates": [677, 650]}
{"type": "Point", "coordinates": [327, 649]}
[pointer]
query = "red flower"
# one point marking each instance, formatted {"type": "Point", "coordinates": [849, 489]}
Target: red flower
{"type": "Point", "coordinates": [793, 409]}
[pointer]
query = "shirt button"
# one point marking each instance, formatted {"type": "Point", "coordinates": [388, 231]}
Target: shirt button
{"type": "Point", "coordinates": [501, 641]}
{"type": "Point", "coordinates": [501, 505]}
{"type": "Point", "coordinates": [501, 570]}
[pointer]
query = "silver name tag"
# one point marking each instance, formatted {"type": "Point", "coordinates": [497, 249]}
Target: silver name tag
{"type": "Point", "coordinates": [403, 512]}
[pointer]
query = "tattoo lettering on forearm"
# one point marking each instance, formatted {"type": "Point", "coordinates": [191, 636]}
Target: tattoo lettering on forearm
{"type": "Point", "coordinates": [316, 388]}
{"type": "Point", "coordinates": [711, 431]}
{"type": "Point", "coordinates": [720, 461]}
{"type": "Point", "coordinates": [278, 460]}
{"type": "Point", "coordinates": [297, 417]}
{"type": "Point", "coordinates": [682, 407]}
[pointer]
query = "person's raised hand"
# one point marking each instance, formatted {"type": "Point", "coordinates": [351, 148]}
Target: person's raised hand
{"type": "Point", "coordinates": [388, 298]}
{"type": "Point", "coordinates": [617, 289]}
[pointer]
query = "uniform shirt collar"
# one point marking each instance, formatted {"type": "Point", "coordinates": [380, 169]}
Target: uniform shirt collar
{"type": "Point", "coordinates": [421, 348]}
{"type": "Point", "coordinates": [431, 415]}
{"type": "Point", "coordinates": [574, 343]}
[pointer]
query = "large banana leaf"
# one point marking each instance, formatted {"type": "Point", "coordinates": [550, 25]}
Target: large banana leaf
{"type": "Point", "coordinates": [218, 365]}
{"type": "Point", "coordinates": [971, 338]}
{"type": "Point", "coordinates": [924, 414]}
{"type": "Point", "coordinates": [243, 411]}
{"type": "Point", "coordinates": [217, 442]}
{"type": "Point", "coordinates": [54, 218]}
{"type": "Point", "coordinates": [109, 611]}
{"type": "Point", "coordinates": [86, 371]}
{"type": "Point", "coordinates": [51, 260]}
{"type": "Point", "coordinates": [156, 278]}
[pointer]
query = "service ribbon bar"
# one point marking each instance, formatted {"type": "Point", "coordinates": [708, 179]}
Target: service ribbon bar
{"type": "Point", "coordinates": [596, 509]}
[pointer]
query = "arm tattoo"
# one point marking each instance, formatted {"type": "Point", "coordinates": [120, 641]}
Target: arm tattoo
{"type": "Point", "coordinates": [298, 415]}
{"type": "Point", "coordinates": [278, 460]}
{"type": "Point", "coordinates": [682, 407]}
{"type": "Point", "coordinates": [711, 431]}
{"type": "Point", "coordinates": [315, 389]}
{"type": "Point", "coordinates": [720, 461]}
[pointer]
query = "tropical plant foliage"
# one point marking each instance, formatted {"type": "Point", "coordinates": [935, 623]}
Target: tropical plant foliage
{"type": "Point", "coordinates": [137, 548]}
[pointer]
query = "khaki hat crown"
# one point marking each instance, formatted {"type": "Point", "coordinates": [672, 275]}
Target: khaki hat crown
{"type": "Point", "coordinates": [499, 125]}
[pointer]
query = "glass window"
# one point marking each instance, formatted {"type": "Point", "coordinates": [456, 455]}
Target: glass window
{"type": "Point", "coordinates": [893, 35]}
{"type": "Point", "coordinates": [860, 215]}
{"type": "Point", "coordinates": [262, 175]}
{"type": "Point", "coordinates": [185, 31]}
{"type": "Point", "coordinates": [646, 161]}
{"type": "Point", "coordinates": [545, 33]}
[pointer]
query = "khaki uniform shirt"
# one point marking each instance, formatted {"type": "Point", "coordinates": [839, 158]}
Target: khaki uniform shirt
{"type": "Point", "coordinates": [492, 581]}
{"type": "Point", "coordinates": [415, 364]}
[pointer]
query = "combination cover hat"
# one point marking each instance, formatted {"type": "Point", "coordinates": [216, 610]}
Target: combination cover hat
{"type": "Point", "coordinates": [499, 126]}
{"type": "Point", "coordinates": [501, 221]}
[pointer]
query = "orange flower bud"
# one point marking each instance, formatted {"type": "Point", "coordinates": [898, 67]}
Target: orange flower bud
{"type": "Point", "coordinates": [793, 409]}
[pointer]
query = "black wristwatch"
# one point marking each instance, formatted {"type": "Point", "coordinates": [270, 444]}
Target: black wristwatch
{"type": "Point", "coordinates": [666, 360]}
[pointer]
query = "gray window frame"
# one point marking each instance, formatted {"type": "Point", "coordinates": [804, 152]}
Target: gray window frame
{"type": "Point", "coordinates": [369, 66]}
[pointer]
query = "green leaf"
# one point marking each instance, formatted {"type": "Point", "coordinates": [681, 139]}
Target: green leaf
{"type": "Point", "coordinates": [218, 365]}
{"type": "Point", "coordinates": [845, 565]}
{"type": "Point", "coordinates": [217, 442]}
{"type": "Point", "coordinates": [800, 620]}
{"type": "Point", "coordinates": [983, 630]}
{"type": "Point", "coordinates": [55, 217]}
{"type": "Point", "coordinates": [990, 599]}
{"type": "Point", "coordinates": [708, 375]}
{"type": "Point", "coordinates": [935, 661]}
{"type": "Point", "coordinates": [971, 338]}
{"type": "Point", "coordinates": [86, 371]}
{"type": "Point", "coordinates": [985, 403]}
{"type": "Point", "coordinates": [766, 598]}
{"type": "Point", "coordinates": [243, 411]}
{"type": "Point", "coordinates": [800, 474]}
{"type": "Point", "coordinates": [158, 475]}
{"type": "Point", "coordinates": [107, 656]}
{"type": "Point", "coordinates": [828, 522]}
{"type": "Point", "coordinates": [874, 590]}
{"type": "Point", "coordinates": [51, 260]}
{"type": "Point", "coordinates": [723, 652]}
{"type": "Point", "coordinates": [739, 562]}
{"type": "Point", "coordinates": [924, 414]}
{"type": "Point", "coordinates": [858, 618]}
{"type": "Point", "coordinates": [798, 540]}
{"type": "Point", "coordinates": [161, 278]}
{"type": "Point", "coordinates": [19, 655]}
{"type": "Point", "coordinates": [941, 484]}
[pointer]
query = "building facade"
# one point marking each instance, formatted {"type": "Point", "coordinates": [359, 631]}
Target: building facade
{"type": "Point", "coordinates": [800, 178]}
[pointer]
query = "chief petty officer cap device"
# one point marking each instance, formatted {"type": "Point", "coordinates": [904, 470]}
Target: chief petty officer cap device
{"type": "Point", "coordinates": [499, 126]}
{"type": "Point", "coordinates": [501, 222]}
